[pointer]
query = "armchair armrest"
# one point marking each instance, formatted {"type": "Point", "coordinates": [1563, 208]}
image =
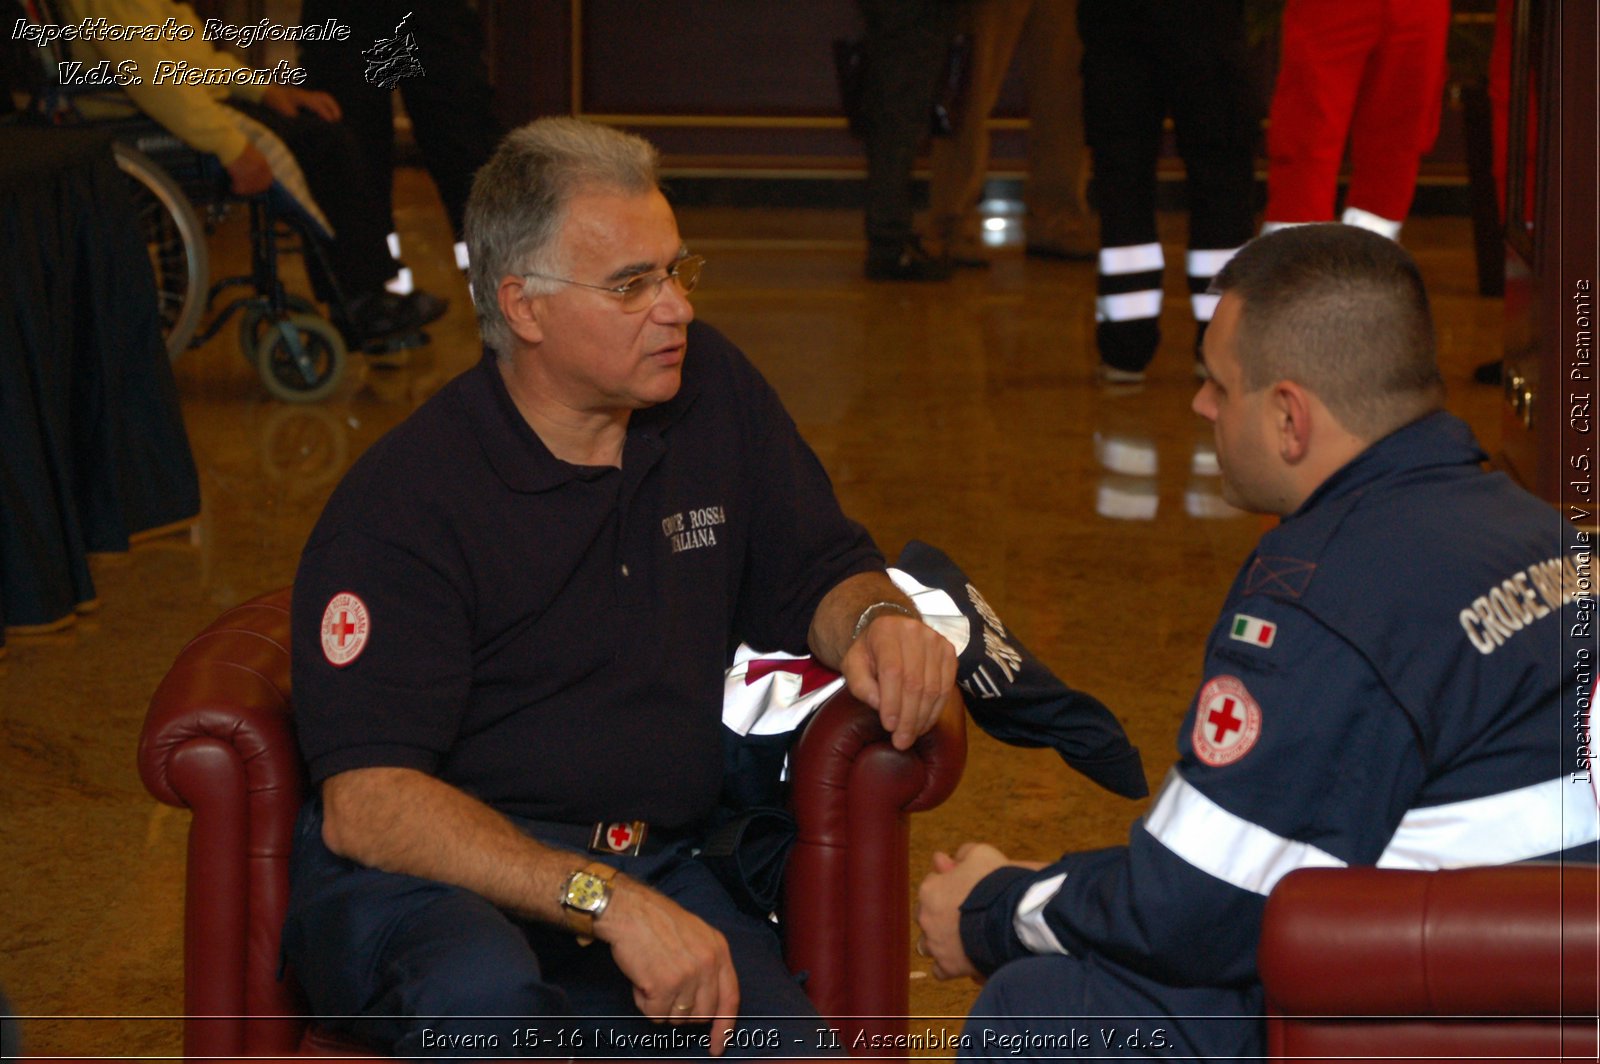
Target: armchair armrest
{"type": "Point", "coordinates": [218, 741]}
{"type": "Point", "coordinates": [848, 875]}
{"type": "Point", "coordinates": [1481, 962]}
{"type": "Point", "coordinates": [1380, 942]}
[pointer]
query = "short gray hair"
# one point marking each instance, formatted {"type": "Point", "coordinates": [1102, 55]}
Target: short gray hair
{"type": "Point", "coordinates": [519, 202]}
{"type": "Point", "coordinates": [1342, 311]}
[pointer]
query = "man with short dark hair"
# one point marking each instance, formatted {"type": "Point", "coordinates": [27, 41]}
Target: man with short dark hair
{"type": "Point", "coordinates": [511, 625]}
{"type": "Point", "coordinates": [1387, 684]}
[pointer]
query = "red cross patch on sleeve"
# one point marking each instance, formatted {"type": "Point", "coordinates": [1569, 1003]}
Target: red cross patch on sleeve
{"type": "Point", "coordinates": [1227, 722]}
{"type": "Point", "coordinates": [345, 628]}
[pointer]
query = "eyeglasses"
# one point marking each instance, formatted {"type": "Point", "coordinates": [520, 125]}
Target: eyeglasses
{"type": "Point", "coordinates": [641, 292]}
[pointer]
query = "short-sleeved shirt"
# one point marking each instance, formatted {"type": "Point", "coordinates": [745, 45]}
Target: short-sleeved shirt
{"type": "Point", "coordinates": [548, 637]}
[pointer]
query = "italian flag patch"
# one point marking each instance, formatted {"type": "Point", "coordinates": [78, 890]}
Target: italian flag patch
{"type": "Point", "coordinates": [1253, 630]}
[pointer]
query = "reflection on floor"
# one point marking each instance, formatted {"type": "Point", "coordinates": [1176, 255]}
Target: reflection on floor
{"type": "Point", "coordinates": [961, 413]}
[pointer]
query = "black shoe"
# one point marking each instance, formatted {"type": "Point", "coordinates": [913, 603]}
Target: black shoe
{"type": "Point", "coordinates": [426, 306]}
{"type": "Point", "coordinates": [967, 262]}
{"type": "Point", "coordinates": [1115, 376]}
{"type": "Point", "coordinates": [1055, 253]}
{"type": "Point", "coordinates": [909, 262]}
{"type": "Point", "coordinates": [394, 350]}
{"type": "Point", "coordinates": [1489, 372]}
{"type": "Point", "coordinates": [379, 315]}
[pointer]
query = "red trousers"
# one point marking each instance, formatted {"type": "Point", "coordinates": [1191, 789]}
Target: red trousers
{"type": "Point", "coordinates": [1372, 71]}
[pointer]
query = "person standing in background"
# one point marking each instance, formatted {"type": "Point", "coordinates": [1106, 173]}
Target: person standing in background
{"type": "Point", "coordinates": [1145, 60]}
{"type": "Point", "coordinates": [446, 93]}
{"type": "Point", "coordinates": [905, 53]}
{"type": "Point", "coordinates": [1372, 72]}
{"type": "Point", "coordinates": [1059, 225]}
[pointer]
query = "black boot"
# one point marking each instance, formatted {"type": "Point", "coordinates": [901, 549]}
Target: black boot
{"type": "Point", "coordinates": [907, 261]}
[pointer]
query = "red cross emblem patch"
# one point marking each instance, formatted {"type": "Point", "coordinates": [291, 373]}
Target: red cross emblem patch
{"type": "Point", "coordinates": [620, 836]}
{"type": "Point", "coordinates": [1227, 722]}
{"type": "Point", "coordinates": [345, 627]}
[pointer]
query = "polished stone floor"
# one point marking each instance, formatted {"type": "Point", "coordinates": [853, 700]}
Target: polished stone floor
{"type": "Point", "coordinates": [961, 413]}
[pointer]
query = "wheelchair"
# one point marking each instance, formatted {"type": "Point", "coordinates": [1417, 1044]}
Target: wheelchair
{"type": "Point", "coordinates": [299, 354]}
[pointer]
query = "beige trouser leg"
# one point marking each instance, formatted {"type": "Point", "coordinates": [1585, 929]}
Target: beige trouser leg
{"type": "Point", "coordinates": [1058, 162]}
{"type": "Point", "coordinates": [959, 163]}
{"type": "Point", "coordinates": [1058, 173]}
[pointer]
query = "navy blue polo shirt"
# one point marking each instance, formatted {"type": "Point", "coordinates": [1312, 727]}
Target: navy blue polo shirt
{"type": "Point", "coordinates": [548, 637]}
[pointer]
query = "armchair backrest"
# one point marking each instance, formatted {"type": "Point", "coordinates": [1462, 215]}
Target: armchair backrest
{"type": "Point", "coordinates": [219, 740]}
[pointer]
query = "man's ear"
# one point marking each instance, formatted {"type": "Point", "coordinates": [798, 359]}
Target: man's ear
{"type": "Point", "coordinates": [521, 311]}
{"type": "Point", "coordinates": [1292, 414]}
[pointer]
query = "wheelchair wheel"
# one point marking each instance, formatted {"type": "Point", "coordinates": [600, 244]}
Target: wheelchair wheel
{"type": "Point", "coordinates": [300, 358]}
{"type": "Point", "coordinates": [176, 241]}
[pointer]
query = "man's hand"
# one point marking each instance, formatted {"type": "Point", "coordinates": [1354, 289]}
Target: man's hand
{"type": "Point", "coordinates": [904, 670]}
{"type": "Point", "coordinates": [250, 173]}
{"type": "Point", "coordinates": [939, 901]}
{"type": "Point", "coordinates": [680, 966]}
{"type": "Point", "coordinates": [288, 100]}
{"type": "Point", "coordinates": [897, 665]}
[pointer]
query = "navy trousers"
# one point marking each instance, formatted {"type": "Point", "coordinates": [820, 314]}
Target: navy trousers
{"type": "Point", "coordinates": [1056, 1007]}
{"type": "Point", "coordinates": [421, 968]}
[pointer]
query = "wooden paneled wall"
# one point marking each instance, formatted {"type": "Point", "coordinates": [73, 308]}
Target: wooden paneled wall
{"type": "Point", "coordinates": [748, 87]}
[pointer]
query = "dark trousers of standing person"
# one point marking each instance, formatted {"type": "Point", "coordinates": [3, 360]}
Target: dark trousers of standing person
{"type": "Point", "coordinates": [906, 53]}
{"type": "Point", "coordinates": [1142, 61]}
{"type": "Point", "coordinates": [450, 101]}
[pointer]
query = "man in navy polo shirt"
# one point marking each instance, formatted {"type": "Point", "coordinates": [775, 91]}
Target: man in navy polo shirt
{"type": "Point", "coordinates": [1392, 682]}
{"type": "Point", "coordinates": [511, 625]}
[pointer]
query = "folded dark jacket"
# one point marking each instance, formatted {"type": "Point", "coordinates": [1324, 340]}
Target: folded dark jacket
{"type": "Point", "coordinates": [1015, 697]}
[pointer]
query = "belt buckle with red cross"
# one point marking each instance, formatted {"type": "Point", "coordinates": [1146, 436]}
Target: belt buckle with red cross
{"type": "Point", "coordinates": [619, 836]}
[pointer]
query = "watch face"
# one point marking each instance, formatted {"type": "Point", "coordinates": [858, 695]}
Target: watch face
{"type": "Point", "coordinates": [587, 891]}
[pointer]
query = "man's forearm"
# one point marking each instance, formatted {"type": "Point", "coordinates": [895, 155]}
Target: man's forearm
{"type": "Point", "coordinates": [833, 625]}
{"type": "Point", "coordinates": [402, 820]}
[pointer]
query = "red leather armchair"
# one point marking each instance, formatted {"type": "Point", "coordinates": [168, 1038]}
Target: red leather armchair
{"type": "Point", "coordinates": [218, 740]}
{"type": "Point", "coordinates": [1471, 964]}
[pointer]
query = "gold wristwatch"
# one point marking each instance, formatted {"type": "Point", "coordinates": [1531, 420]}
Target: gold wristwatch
{"type": "Point", "coordinates": [585, 897]}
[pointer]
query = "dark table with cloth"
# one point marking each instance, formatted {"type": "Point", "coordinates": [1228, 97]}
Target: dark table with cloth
{"type": "Point", "coordinates": [93, 450]}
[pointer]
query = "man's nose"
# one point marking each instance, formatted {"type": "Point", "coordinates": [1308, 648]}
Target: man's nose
{"type": "Point", "coordinates": [672, 305]}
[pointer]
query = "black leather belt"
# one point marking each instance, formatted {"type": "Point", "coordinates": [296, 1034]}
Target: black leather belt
{"type": "Point", "coordinates": [620, 838]}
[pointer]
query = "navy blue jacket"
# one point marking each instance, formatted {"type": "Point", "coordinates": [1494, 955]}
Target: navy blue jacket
{"type": "Point", "coordinates": [1394, 681]}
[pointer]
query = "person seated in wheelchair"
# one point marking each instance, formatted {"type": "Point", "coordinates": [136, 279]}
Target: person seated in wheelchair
{"type": "Point", "coordinates": [259, 135]}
